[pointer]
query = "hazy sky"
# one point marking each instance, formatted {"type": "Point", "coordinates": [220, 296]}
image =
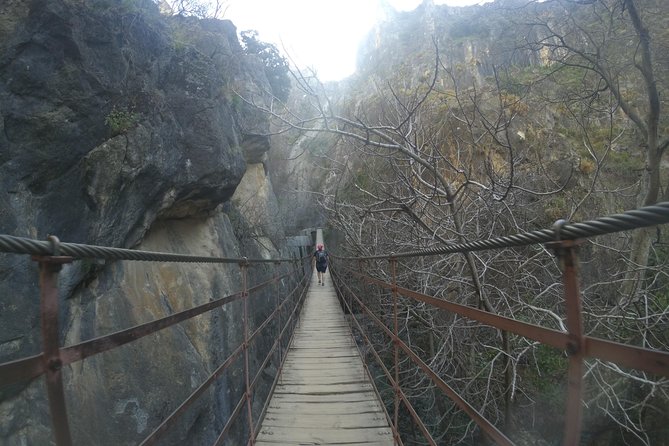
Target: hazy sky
{"type": "Point", "coordinates": [323, 34]}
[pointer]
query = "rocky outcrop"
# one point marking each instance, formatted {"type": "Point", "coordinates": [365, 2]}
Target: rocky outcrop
{"type": "Point", "coordinates": [120, 127]}
{"type": "Point", "coordinates": [256, 203]}
{"type": "Point", "coordinates": [111, 121]}
{"type": "Point", "coordinates": [300, 172]}
{"type": "Point", "coordinates": [121, 396]}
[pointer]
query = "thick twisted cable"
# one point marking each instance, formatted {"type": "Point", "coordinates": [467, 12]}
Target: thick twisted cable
{"type": "Point", "coordinates": [635, 219]}
{"type": "Point", "coordinates": [20, 245]}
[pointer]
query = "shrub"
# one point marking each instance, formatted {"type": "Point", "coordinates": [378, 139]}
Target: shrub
{"type": "Point", "coordinates": [120, 121]}
{"type": "Point", "coordinates": [276, 66]}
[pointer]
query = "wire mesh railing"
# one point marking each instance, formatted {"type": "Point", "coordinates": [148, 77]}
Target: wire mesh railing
{"type": "Point", "coordinates": [51, 255]}
{"type": "Point", "coordinates": [382, 314]}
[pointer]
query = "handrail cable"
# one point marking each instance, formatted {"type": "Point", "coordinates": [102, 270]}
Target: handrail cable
{"type": "Point", "coordinates": [563, 240]}
{"type": "Point", "coordinates": [489, 428]}
{"type": "Point", "coordinates": [169, 420]}
{"type": "Point", "coordinates": [52, 254]}
{"type": "Point", "coordinates": [22, 245]}
{"type": "Point", "coordinates": [294, 315]}
{"type": "Point", "coordinates": [634, 219]}
{"type": "Point", "coordinates": [377, 357]}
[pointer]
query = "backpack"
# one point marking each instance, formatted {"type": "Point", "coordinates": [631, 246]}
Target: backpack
{"type": "Point", "coordinates": [321, 257]}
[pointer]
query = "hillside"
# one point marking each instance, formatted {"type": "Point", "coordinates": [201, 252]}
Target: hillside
{"type": "Point", "coordinates": [469, 123]}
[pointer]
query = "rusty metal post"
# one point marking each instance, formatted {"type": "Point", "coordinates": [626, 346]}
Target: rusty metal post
{"type": "Point", "coordinates": [244, 269]}
{"type": "Point", "coordinates": [566, 252]}
{"type": "Point", "coordinates": [396, 348]}
{"type": "Point", "coordinates": [279, 310]}
{"type": "Point", "coordinates": [575, 347]}
{"type": "Point", "coordinates": [49, 267]}
{"type": "Point", "coordinates": [362, 269]}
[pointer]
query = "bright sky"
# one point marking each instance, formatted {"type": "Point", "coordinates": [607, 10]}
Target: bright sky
{"type": "Point", "coordinates": [322, 34]}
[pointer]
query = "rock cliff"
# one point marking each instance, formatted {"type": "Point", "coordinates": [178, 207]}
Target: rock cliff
{"type": "Point", "coordinates": [120, 127]}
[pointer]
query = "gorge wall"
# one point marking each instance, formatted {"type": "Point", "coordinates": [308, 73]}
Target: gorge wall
{"type": "Point", "coordinates": [498, 103]}
{"type": "Point", "coordinates": [120, 127]}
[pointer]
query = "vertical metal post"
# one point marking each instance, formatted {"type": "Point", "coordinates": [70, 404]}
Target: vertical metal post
{"type": "Point", "coordinates": [49, 267]}
{"type": "Point", "coordinates": [279, 310]}
{"type": "Point", "coordinates": [393, 273]}
{"type": "Point", "coordinates": [244, 267]}
{"type": "Point", "coordinates": [566, 251]}
{"type": "Point", "coordinates": [362, 268]}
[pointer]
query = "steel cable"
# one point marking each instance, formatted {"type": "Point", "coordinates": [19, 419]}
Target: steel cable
{"type": "Point", "coordinates": [638, 218]}
{"type": "Point", "coordinates": [20, 245]}
{"type": "Point", "coordinates": [634, 219]}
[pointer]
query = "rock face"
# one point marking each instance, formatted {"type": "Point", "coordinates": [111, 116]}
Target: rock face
{"type": "Point", "coordinates": [119, 397]}
{"type": "Point", "coordinates": [255, 200]}
{"type": "Point", "coordinates": [119, 127]}
{"type": "Point", "coordinates": [302, 173]}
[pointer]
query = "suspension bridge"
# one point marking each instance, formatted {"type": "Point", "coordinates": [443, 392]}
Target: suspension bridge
{"type": "Point", "coordinates": [325, 391]}
{"type": "Point", "coordinates": [324, 394]}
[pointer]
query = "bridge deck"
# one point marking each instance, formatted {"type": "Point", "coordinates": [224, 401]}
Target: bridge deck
{"type": "Point", "coordinates": [324, 396]}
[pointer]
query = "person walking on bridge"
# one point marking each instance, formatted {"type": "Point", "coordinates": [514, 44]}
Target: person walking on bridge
{"type": "Point", "coordinates": [321, 260]}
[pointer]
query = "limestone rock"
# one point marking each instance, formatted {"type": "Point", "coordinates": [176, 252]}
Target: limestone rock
{"type": "Point", "coordinates": [119, 127]}
{"type": "Point", "coordinates": [255, 201]}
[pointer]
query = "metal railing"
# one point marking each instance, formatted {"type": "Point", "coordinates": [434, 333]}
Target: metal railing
{"type": "Point", "coordinates": [563, 239]}
{"type": "Point", "coordinates": [52, 255]}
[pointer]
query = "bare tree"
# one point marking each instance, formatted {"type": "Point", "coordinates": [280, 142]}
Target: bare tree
{"type": "Point", "coordinates": [200, 8]}
{"type": "Point", "coordinates": [427, 157]}
{"type": "Point", "coordinates": [426, 183]}
{"type": "Point", "coordinates": [610, 43]}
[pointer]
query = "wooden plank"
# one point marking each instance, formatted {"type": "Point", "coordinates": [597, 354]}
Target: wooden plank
{"type": "Point", "coordinates": [323, 389]}
{"type": "Point", "coordinates": [312, 367]}
{"type": "Point", "coordinates": [318, 343]}
{"type": "Point", "coordinates": [334, 421]}
{"type": "Point", "coordinates": [324, 395]}
{"type": "Point", "coordinates": [279, 443]}
{"type": "Point", "coordinates": [314, 362]}
{"type": "Point", "coordinates": [319, 435]}
{"type": "Point", "coordinates": [322, 380]}
{"type": "Point", "coordinates": [367, 408]}
{"type": "Point", "coordinates": [280, 398]}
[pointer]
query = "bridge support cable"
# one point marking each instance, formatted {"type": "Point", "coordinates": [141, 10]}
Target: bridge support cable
{"type": "Point", "coordinates": [243, 266]}
{"type": "Point", "coordinates": [343, 290]}
{"type": "Point", "coordinates": [398, 395]}
{"type": "Point", "coordinates": [644, 217]}
{"type": "Point", "coordinates": [656, 362]}
{"type": "Point", "coordinates": [564, 238]}
{"type": "Point", "coordinates": [286, 329]}
{"type": "Point", "coordinates": [396, 348]}
{"type": "Point", "coordinates": [54, 357]}
{"type": "Point", "coordinates": [324, 395]}
{"type": "Point", "coordinates": [652, 361]}
{"type": "Point", "coordinates": [487, 427]}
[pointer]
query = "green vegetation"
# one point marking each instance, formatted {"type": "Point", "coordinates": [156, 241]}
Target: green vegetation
{"type": "Point", "coordinates": [197, 8]}
{"type": "Point", "coordinates": [276, 66]}
{"type": "Point", "coordinates": [120, 121]}
{"type": "Point", "coordinates": [537, 113]}
{"type": "Point", "coordinates": [181, 37]}
{"type": "Point", "coordinates": [466, 28]}
{"type": "Point", "coordinates": [625, 162]}
{"type": "Point", "coordinates": [122, 6]}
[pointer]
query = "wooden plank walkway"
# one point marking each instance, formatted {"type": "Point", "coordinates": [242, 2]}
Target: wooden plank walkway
{"type": "Point", "coordinates": [324, 396]}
